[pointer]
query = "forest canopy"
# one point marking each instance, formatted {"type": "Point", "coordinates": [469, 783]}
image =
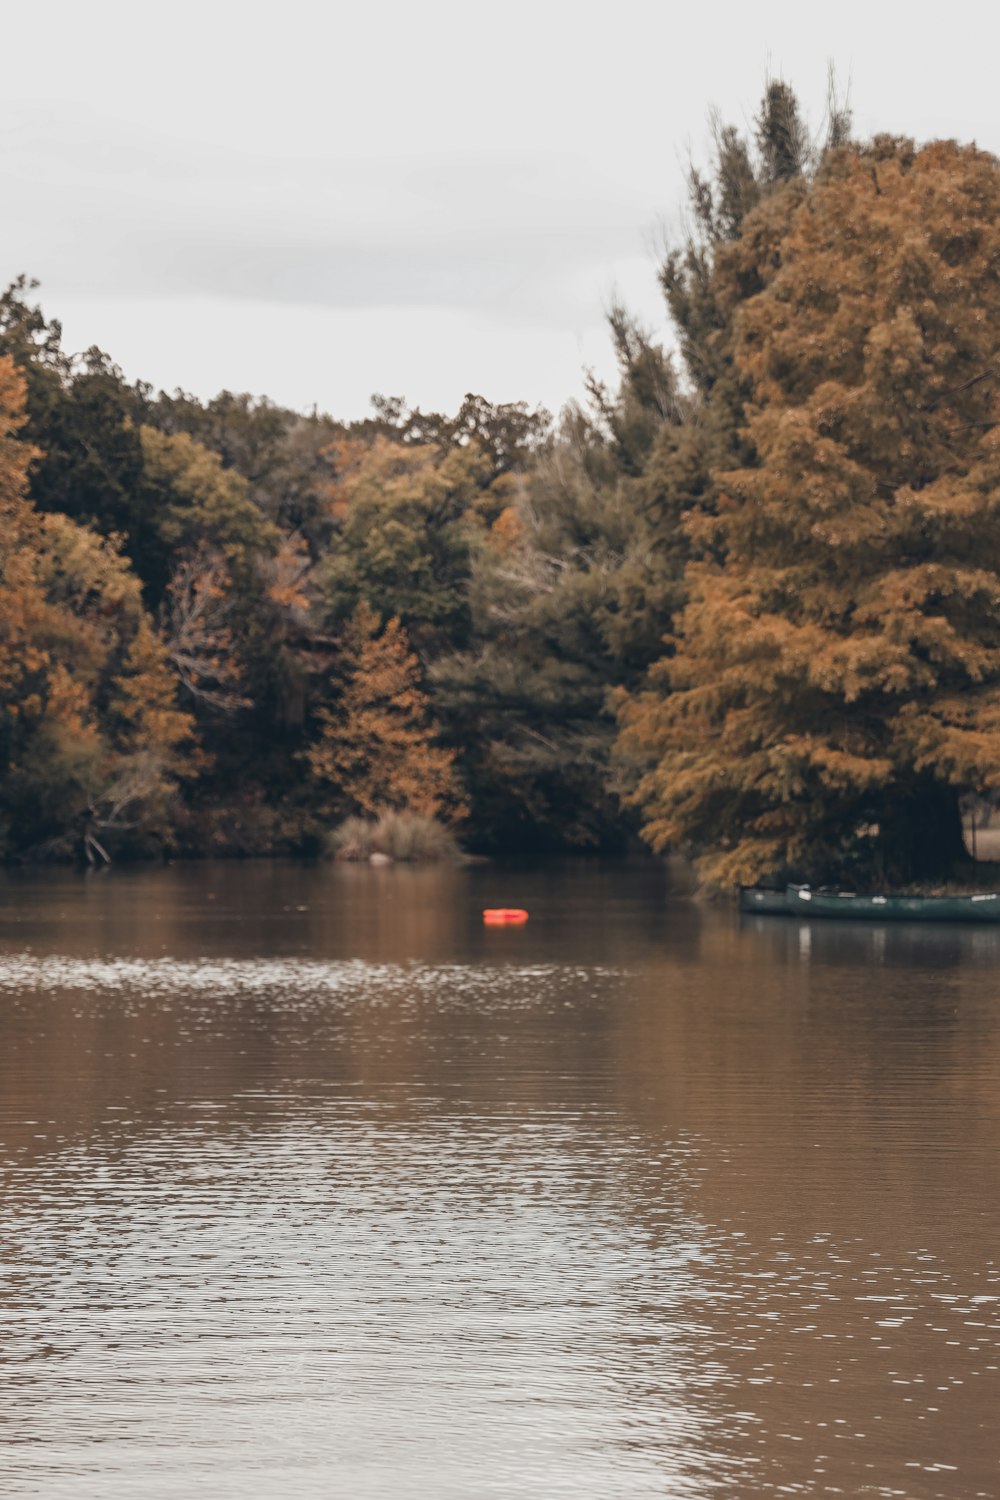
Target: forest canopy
{"type": "Point", "coordinates": [746, 603]}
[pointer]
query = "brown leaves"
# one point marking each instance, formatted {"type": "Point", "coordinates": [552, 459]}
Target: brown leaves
{"type": "Point", "coordinates": [377, 748]}
{"type": "Point", "coordinates": [85, 685]}
{"type": "Point", "coordinates": [16, 457]}
{"type": "Point", "coordinates": [849, 642]}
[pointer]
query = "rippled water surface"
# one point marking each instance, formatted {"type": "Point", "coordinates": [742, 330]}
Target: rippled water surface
{"type": "Point", "coordinates": [312, 1186]}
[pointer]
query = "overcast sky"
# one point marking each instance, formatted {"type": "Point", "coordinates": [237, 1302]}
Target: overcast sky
{"type": "Point", "coordinates": [321, 202]}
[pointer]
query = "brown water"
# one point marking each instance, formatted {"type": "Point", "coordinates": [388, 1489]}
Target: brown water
{"type": "Point", "coordinates": [312, 1187]}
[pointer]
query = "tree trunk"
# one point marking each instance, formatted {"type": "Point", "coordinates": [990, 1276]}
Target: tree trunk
{"type": "Point", "coordinates": [921, 834]}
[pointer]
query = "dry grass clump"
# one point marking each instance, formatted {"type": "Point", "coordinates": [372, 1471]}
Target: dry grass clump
{"type": "Point", "coordinates": [403, 836]}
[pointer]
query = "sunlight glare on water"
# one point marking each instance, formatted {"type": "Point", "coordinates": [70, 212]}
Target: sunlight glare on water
{"type": "Point", "coordinates": [313, 1186]}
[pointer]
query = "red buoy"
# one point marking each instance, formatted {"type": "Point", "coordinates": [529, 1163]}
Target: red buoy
{"type": "Point", "coordinates": [504, 916]}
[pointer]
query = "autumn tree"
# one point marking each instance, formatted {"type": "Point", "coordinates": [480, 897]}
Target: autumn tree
{"type": "Point", "coordinates": [81, 415]}
{"type": "Point", "coordinates": [505, 433]}
{"type": "Point", "coordinates": [377, 749]}
{"type": "Point", "coordinates": [282, 456]}
{"type": "Point", "coordinates": [194, 502]}
{"type": "Point", "coordinates": [740, 208]}
{"type": "Point", "coordinates": [573, 591]}
{"type": "Point", "coordinates": [835, 684]}
{"type": "Point", "coordinates": [405, 512]}
{"type": "Point", "coordinates": [562, 595]}
{"type": "Point", "coordinates": [88, 716]}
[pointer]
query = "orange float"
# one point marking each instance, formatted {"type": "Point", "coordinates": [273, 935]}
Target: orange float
{"type": "Point", "coordinates": [504, 916]}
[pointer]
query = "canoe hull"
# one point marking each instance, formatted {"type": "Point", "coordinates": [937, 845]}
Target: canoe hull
{"type": "Point", "coordinates": [800, 901]}
{"type": "Point", "coordinates": [985, 908]}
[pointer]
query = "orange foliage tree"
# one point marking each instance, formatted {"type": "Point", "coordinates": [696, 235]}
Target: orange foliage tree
{"type": "Point", "coordinates": [835, 681]}
{"type": "Point", "coordinates": [88, 718]}
{"type": "Point", "coordinates": [376, 749]}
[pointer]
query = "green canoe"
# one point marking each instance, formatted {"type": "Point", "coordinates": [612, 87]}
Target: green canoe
{"type": "Point", "coordinates": [802, 901]}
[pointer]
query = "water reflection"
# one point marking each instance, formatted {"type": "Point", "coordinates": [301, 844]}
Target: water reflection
{"type": "Point", "coordinates": [312, 1185]}
{"type": "Point", "coordinates": [933, 944]}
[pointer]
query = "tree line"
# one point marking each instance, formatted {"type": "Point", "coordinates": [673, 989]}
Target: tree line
{"type": "Point", "coordinates": [744, 604]}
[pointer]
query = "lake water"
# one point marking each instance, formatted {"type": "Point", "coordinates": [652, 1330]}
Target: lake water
{"type": "Point", "coordinates": [313, 1186]}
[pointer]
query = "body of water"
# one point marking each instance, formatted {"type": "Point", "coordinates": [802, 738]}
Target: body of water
{"type": "Point", "coordinates": [313, 1186]}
